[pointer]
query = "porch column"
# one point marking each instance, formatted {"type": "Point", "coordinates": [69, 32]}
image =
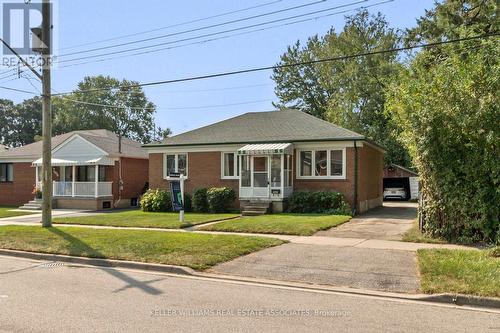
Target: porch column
{"type": "Point", "coordinates": [96, 180]}
{"type": "Point", "coordinates": [73, 176]}
{"type": "Point", "coordinates": [36, 175]}
{"type": "Point", "coordinates": [282, 175]}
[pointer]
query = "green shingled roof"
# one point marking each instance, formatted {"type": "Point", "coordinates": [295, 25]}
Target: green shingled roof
{"type": "Point", "coordinates": [260, 127]}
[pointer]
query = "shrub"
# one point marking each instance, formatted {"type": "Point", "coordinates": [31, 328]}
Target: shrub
{"type": "Point", "coordinates": [200, 201]}
{"type": "Point", "coordinates": [188, 206]}
{"type": "Point", "coordinates": [156, 200]}
{"type": "Point", "coordinates": [495, 252]}
{"type": "Point", "coordinates": [220, 199]}
{"type": "Point", "coordinates": [318, 202]}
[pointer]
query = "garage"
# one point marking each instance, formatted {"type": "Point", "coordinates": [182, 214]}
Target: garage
{"type": "Point", "coordinates": [400, 183]}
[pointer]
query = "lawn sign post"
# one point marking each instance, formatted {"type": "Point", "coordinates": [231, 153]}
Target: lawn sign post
{"type": "Point", "coordinates": [177, 193]}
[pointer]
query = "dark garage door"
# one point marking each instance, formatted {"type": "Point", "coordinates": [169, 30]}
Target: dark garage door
{"type": "Point", "coordinates": [403, 182]}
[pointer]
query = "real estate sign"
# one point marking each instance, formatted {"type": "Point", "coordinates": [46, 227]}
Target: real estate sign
{"type": "Point", "coordinates": [175, 191]}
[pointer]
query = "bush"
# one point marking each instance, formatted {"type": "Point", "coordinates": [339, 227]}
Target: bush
{"type": "Point", "coordinates": [200, 201]}
{"type": "Point", "coordinates": [318, 202]}
{"type": "Point", "coordinates": [188, 203]}
{"type": "Point", "coordinates": [156, 200]}
{"type": "Point", "coordinates": [220, 199]}
{"type": "Point", "coordinates": [495, 252]}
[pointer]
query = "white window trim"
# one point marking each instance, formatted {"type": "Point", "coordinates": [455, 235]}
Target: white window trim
{"type": "Point", "coordinates": [236, 171]}
{"type": "Point", "coordinates": [176, 164]}
{"type": "Point", "coordinates": [313, 163]}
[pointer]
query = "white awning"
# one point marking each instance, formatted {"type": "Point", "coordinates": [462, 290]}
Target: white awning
{"type": "Point", "coordinates": [266, 148]}
{"type": "Point", "coordinates": [80, 160]}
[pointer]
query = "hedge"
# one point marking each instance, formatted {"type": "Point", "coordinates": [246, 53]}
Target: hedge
{"type": "Point", "coordinates": [326, 202]}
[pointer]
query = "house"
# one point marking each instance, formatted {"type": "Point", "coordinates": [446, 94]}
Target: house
{"type": "Point", "coordinates": [266, 156]}
{"type": "Point", "coordinates": [396, 176]}
{"type": "Point", "coordinates": [92, 169]}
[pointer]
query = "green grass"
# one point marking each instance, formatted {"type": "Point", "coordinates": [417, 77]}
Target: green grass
{"type": "Point", "coordinates": [459, 271]}
{"type": "Point", "coordinates": [415, 236]}
{"type": "Point", "coordinates": [198, 251]}
{"type": "Point", "coordinates": [138, 218]}
{"type": "Point", "coordinates": [6, 212]}
{"type": "Point", "coordinates": [288, 224]}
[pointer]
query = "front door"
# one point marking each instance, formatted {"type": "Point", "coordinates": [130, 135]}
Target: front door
{"type": "Point", "coordinates": [260, 176]}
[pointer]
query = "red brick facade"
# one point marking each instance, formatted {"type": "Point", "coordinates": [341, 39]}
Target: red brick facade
{"type": "Point", "coordinates": [204, 170]}
{"type": "Point", "coordinates": [134, 174]}
{"type": "Point", "coordinates": [19, 191]}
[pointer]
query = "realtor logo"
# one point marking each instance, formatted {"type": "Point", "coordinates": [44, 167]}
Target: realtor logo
{"type": "Point", "coordinates": [21, 30]}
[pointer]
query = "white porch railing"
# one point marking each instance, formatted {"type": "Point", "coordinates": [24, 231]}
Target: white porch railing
{"type": "Point", "coordinates": [82, 189]}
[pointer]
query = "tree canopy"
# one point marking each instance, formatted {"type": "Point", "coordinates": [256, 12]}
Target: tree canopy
{"type": "Point", "coordinates": [125, 111]}
{"type": "Point", "coordinates": [349, 93]}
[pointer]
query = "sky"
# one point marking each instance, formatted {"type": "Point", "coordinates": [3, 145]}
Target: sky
{"type": "Point", "coordinates": [185, 106]}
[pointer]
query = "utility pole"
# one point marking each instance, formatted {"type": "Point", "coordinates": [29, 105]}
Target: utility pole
{"type": "Point", "coordinates": [46, 117]}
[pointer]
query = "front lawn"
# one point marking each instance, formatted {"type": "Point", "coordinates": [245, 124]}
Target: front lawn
{"type": "Point", "coordinates": [7, 212]}
{"type": "Point", "coordinates": [288, 224]}
{"type": "Point", "coordinates": [198, 251]}
{"type": "Point", "coordinates": [415, 236]}
{"type": "Point", "coordinates": [459, 271]}
{"type": "Point", "coordinates": [138, 218]}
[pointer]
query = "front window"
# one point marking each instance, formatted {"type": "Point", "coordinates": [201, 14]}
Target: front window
{"type": "Point", "coordinates": [337, 163]}
{"type": "Point", "coordinates": [176, 163]}
{"type": "Point", "coordinates": [230, 165]}
{"type": "Point", "coordinates": [6, 172]}
{"type": "Point", "coordinates": [288, 170]}
{"type": "Point", "coordinates": [245, 172]}
{"type": "Point", "coordinates": [276, 171]}
{"type": "Point", "coordinates": [102, 173]}
{"type": "Point", "coordinates": [68, 173]}
{"type": "Point", "coordinates": [305, 163]}
{"type": "Point", "coordinates": [321, 163]}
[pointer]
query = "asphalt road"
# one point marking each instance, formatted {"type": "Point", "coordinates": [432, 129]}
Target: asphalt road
{"type": "Point", "coordinates": [53, 298]}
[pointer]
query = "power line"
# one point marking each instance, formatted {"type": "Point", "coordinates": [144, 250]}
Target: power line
{"type": "Point", "coordinates": [18, 90]}
{"type": "Point", "coordinates": [217, 106]}
{"type": "Point", "coordinates": [175, 25]}
{"type": "Point", "coordinates": [198, 29]}
{"type": "Point", "coordinates": [216, 38]}
{"type": "Point", "coordinates": [303, 63]}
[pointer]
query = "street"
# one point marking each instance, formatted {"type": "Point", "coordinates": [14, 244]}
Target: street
{"type": "Point", "coordinates": [39, 296]}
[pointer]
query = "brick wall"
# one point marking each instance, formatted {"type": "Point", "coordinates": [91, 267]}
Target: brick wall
{"type": "Point", "coordinates": [204, 170]}
{"type": "Point", "coordinates": [19, 191]}
{"type": "Point", "coordinates": [371, 173]}
{"type": "Point", "coordinates": [135, 174]}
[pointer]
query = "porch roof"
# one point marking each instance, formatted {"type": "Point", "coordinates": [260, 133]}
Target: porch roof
{"type": "Point", "coordinates": [266, 148]}
{"type": "Point", "coordinates": [80, 160]}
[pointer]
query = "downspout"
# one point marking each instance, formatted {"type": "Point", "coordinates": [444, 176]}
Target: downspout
{"type": "Point", "coordinates": [355, 207]}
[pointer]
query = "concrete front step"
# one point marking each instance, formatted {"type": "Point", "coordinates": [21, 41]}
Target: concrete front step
{"type": "Point", "coordinates": [30, 207]}
{"type": "Point", "coordinates": [253, 212]}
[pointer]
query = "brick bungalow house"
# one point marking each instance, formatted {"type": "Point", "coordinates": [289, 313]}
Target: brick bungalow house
{"type": "Point", "coordinates": [265, 156]}
{"type": "Point", "coordinates": [92, 169]}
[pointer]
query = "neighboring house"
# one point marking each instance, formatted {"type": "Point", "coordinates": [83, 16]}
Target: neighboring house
{"type": "Point", "coordinates": [265, 156]}
{"type": "Point", "coordinates": [92, 169]}
{"type": "Point", "coordinates": [396, 176]}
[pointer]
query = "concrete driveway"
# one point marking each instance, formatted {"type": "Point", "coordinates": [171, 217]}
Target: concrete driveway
{"type": "Point", "coordinates": [388, 270]}
{"type": "Point", "coordinates": [388, 222]}
{"type": "Point", "coordinates": [345, 265]}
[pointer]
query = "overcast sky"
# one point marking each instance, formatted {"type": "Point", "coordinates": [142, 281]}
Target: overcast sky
{"type": "Point", "coordinates": [185, 106]}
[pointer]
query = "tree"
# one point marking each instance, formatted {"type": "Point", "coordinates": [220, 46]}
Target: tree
{"type": "Point", "coordinates": [128, 112]}
{"type": "Point", "coordinates": [350, 93]}
{"type": "Point", "coordinates": [449, 119]}
{"type": "Point", "coordinates": [21, 122]}
{"type": "Point", "coordinates": [5, 107]}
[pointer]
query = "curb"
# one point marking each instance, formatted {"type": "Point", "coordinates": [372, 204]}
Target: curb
{"type": "Point", "coordinates": [100, 262]}
{"type": "Point", "coordinates": [452, 299]}
{"type": "Point", "coordinates": [468, 300]}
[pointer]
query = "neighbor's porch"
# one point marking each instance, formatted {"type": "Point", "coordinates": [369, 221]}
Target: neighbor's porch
{"type": "Point", "coordinates": [79, 179]}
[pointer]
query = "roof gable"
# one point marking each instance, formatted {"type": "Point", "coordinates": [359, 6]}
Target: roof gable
{"type": "Point", "coordinates": [77, 146]}
{"type": "Point", "coordinates": [260, 127]}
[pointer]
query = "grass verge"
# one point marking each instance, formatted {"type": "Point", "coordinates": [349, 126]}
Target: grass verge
{"type": "Point", "coordinates": [7, 212]}
{"type": "Point", "coordinates": [198, 251]}
{"type": "Point", "coordinates": [138, 218]}
{"type": "Point", "coordinates": [415, 236]}
{"type": "Point", "coordinates": [288, 224]}
{"type": "Point", "coordinates": [459, 271]}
